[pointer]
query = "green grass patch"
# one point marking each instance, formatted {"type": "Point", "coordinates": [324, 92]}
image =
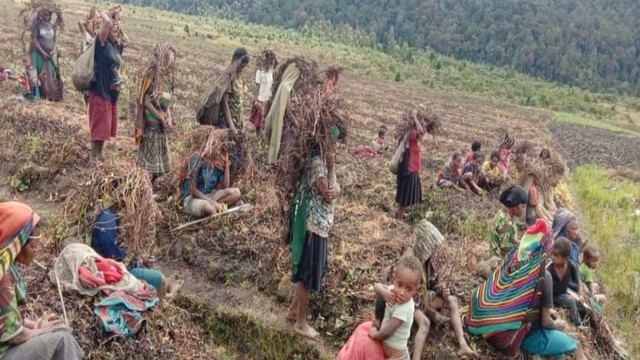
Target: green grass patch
{"type": "Point", "coordinates": [581, 120]}
{"type": "Point", "coordinates": [608, 206]}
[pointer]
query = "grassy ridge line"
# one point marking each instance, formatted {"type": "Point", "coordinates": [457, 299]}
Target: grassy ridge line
{"type": "Point", "coordinates": [581, 120]}
{"type": "Point", "coordinates": [424, 67]}
{"type": "Point", "coordinates": [608, 207]}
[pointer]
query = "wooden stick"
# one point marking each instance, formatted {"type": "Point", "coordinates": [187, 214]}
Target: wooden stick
{"type": "Point", "coordinates": [195, 222]}
{"type": "Point", "coordinates": [64, 310]}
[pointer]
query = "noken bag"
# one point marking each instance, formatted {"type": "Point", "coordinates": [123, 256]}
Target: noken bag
{"type": "Point", "coordinates": [394, 165]}
{"type": "Point", "coordinates": [84, 69]}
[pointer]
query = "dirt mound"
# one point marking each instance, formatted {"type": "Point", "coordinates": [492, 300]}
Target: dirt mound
{"type": "Point", "coordinates": [588, 145]}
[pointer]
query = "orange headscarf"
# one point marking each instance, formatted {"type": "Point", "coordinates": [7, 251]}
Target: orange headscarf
{"type": "Point", "coordinates": [17, 221]}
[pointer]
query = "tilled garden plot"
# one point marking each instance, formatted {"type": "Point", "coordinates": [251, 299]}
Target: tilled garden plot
{"type": "Point", "coordinates": [588, 145]}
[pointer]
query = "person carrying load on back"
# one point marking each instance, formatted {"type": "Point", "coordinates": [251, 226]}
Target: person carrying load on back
{"type": "Point", "coordinates": [154, 116]}
{"type": "Point", "coordinates": [44, 51]}
{"type": "Point", "coordinates": [46, 338]}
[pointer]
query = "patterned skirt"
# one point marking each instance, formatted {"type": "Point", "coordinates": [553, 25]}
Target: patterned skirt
{"type": "Point", "coordinates": [154, 152]}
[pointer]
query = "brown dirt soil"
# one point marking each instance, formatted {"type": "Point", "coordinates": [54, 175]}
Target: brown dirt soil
{"type": "Point", "coordinates": [588, 145]}
{"type": "Point", "coordinates": [246, 251]}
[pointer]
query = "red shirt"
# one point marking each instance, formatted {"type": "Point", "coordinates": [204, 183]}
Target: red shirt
{"type": "Point", "coordinates": [415, 157]}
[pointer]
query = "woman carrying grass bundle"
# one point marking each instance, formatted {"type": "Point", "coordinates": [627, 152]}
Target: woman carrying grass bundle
{"type": "Point", "coordinates": [409, 187]}
{"type": "Point", "coordinates": [222, 105]}
{"type": "Point", "coordinates": [311, 222]}
{"type": "Point", "coordinates": [154, 118]}
{"type": "Point", "coordinates": [46, 338]}
{"type": "Point", "coordinates": [44, 52]}
{"type": "Point", "coordinates": [103, 95]}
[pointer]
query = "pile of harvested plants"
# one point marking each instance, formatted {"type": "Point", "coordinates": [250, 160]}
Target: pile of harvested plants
{"type": "Point", "coordinates": [33, 9]}
{"type": "Point", "coordinates": [427, 119]}
{"type": "Point", "coordinates": [126, 188]}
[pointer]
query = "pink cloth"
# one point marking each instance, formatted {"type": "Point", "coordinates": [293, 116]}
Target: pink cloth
{"type": "Point", "coordinates": [363, 151]}
{"type": "Point", "coordinates": [503, 164]}
{"type": "Point", "coordinates": [360, 346]}
{"type": "Point", "coordinates": [103, 118]}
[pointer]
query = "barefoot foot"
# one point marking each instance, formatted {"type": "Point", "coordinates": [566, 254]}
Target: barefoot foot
{"type": "Point", "coordinates": [466, 351]}
{"type": "Point", "coordinates": [174, 288]}
{"type": "Point", "coordinates": [305, 330]}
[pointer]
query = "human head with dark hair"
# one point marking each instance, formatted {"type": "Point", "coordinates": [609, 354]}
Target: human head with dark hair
{"type": "Point", "coordinates": [382, 132]}
{"type": "Point", "coordinates": [456, 160]}
{"type": "Point", "coordinates": [591, 256]}
{"type": "Point", "coordinates": [242, 55]}
{"type": "Point", "coordinates": [476, 146]}
{"type": "Point", "coordinates": [545, 154]}
{"type": "Point", "coordinates": [561, 251]}
{"type": "Point", "coordinates": [515, 200]}
{"type": "Point", "coordinates": [406, 278]}
{"type": "Point", "coordinates": [495, 156]}
{"type": "Point", "coordinates": [478, 158]}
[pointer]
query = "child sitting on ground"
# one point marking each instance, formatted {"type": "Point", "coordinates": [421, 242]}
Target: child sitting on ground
{"type": "Point", "coordinates": [563, 271]}
{"type": "Point", "coordinates": [450, 175]}
{"type": "Point", "coordinates": [378, 144]}
{"type": "Point", "coordinates": [30, 79]}
{"type": "Point", "coordinates": [395, 328]}
{"type": "Point", "coordinates": [491, 172]}
{"type": "Point", "coordinates": [590, 259]}
{"type": "Point", "coordinates": [476, 146]}
{"type": "Point", "coordinates": [472, 174]}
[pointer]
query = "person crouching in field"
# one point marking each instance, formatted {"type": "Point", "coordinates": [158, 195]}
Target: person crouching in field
{"type": "Point", "coordinates": [450, 175]}
{"type": "Point", "coordinates": [388, 337]}
{"type": "Point", "coordinates": [205, 183]}
{"type": "Point", "coordinates": [590, 260]}
{"type": "Point", "coordinates": [472, 174]}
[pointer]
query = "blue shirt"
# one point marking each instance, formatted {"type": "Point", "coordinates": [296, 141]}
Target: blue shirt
{"type": "Point", "coordinates": [105, 234]}
{"type": "Point", "coordinates": [208, 177]}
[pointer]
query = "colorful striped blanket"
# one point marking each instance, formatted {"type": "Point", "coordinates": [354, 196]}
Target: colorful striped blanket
{"type": "Point", "coordinates": [119, 313]}
{"type": "Point", "coordinates": [503, 306]}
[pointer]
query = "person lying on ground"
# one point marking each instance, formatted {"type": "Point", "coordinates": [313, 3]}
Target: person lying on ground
{"type": "Point", "coordinates": [450, 176]}
{"type": "Point", "coordinates": [476, 146]}
{"type": "Point", "coordinates": [46, 338]}
{"type": "Point", "coordinates": [546, 337]}
{"type": "Point", "coordinates": [472, 174]}
{"type": "Point", "coordinates": [562, 271]}
{"type": "Point", "coordinates": [504, 232]}
{"type": "Point", "coordinates": [104, 240]}
{"type": "Point", "coordinates": [438, 296]}
{"type": "Point", "coordinates": [205, 184]}
{"type": "Point", "coordinates": [590, 260]}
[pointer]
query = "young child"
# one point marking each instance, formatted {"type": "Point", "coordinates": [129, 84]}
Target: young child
{"type": "Point", "coordinates": [476, 146]}
{"type": "Point", "coordinates": [450, 174]}
{"type": "Point", "coordinates": [562, 272]}
{"type": "Point", "coordinates": [491, 172]}
{"type": "Point", "coordinates": [30, 79]}
{"type": "Point", "coordinates": [472, 172]}
{"type": "Point", "coordinates": [590, 259]}
{"type": "Point", "coordinates": [395, 329]}
{"type": "Point", "coordinates": [378, 144]}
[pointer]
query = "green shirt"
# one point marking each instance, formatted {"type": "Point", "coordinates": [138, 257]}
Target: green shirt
{"type": "Point", "coordinates": [234, 95]}
{"type": "Point", "coordinates": [503, 235]}
{"type": "Point", "coordinates": [586, 273]}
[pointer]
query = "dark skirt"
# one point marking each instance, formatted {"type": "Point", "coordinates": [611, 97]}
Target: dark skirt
{"type": "Point", "coordinates": [154, 152]}
{"type": "Point", "coordinates": [313, 265]}
{"type": "Point", "coordinates": [409, 190]}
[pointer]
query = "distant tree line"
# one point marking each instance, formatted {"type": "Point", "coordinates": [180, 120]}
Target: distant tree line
{"type": "Point", "coordinates": [592, 44]}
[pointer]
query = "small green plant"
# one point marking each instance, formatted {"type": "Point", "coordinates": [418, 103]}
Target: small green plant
{"type": "Point", "coordinates": [19, 184]}
{"type": "Point", "coordinates": [35, 144]}
{"type": "Point", "coordinates": [186, 29]}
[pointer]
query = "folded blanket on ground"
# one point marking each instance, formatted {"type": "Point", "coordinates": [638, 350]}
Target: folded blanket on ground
{"type": "Point", "coordinates": [119, 313]}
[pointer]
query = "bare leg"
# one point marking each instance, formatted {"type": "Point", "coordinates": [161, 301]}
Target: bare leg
{"type": "Point", "coordinates": [162, 291]}
{"type": "Point", "coordinates": [580, 353]}
{"type": "Point", "coordinates": [400, 213]}
{"type": "Point", "coordinates": [292, 314]}
{"type": "Point", "coordinates": [302, 326]}
{"type": "Point", "coordinates": [232, 197]}
{"type": "Point", "coordinates": [174, 287]}
{"type": "Point", "coordinates": [421, 336]}
{"type": "Point", "coordinates": [456, 323]}
{"type": "Point", "coordinates": [96, 151]}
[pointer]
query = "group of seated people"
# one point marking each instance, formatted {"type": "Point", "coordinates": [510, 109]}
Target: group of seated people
{"type": "Point", "coordinates": [474, 172]}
